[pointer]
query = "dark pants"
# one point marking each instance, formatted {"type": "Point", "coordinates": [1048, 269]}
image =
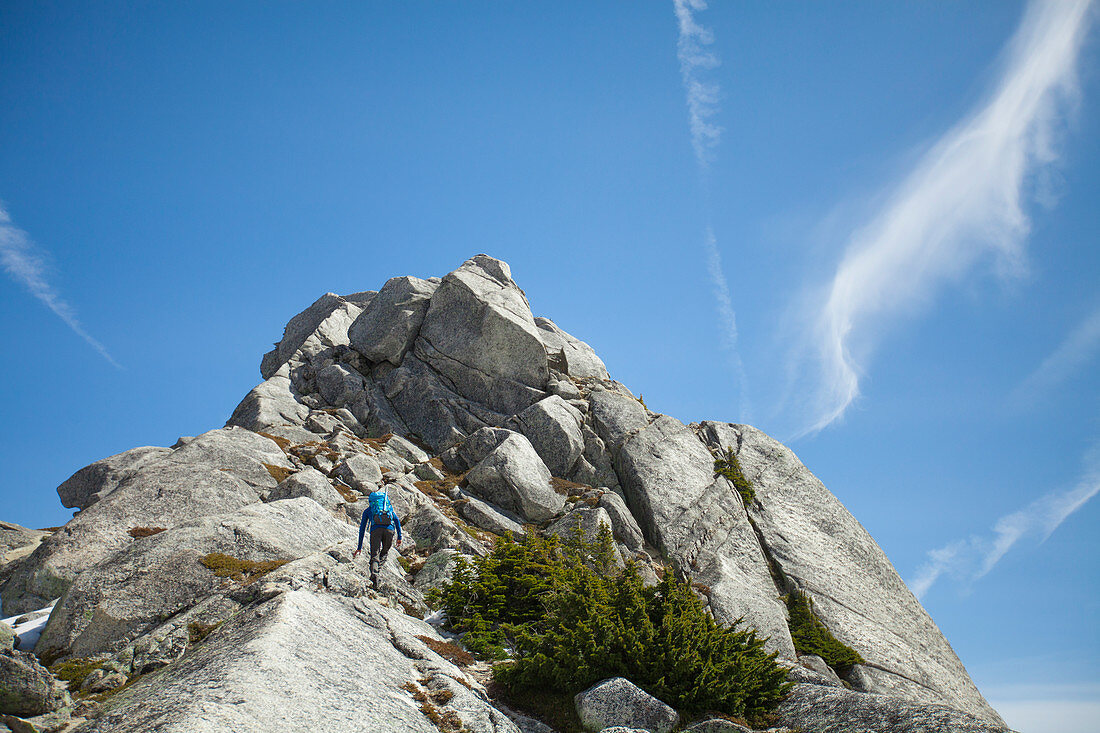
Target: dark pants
{"type": "Point", "coordinates": [381, 538]}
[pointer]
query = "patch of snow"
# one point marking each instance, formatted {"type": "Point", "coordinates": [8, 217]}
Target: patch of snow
{"type": "Point", "coordinates": [27, 633]}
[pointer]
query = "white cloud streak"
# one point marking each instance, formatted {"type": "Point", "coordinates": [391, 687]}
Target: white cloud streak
{"type": "Point", "coordinates": [24, 263]}
{"type": "Point", "coordinates": [695, 55]}
{"type": "Point", "coordinates": [971, 559]}
{"type": "Point", "coordinates": [702, 96]}
{"type": "Point", "coordinates": [1078, 348]}
{"type": "Point", "coordinates": [962, 203]}
{"type": "Point", "coordinates": [728, 317]}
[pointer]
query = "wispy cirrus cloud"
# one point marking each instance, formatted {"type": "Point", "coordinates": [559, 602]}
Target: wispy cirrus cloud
{"type": "Point", "coordinates": [696, 57]}
{"type": "Point", "coordinates": [971, 559]}
{"type": "Point", "coordinates": [695, 54]}
{"type": "Point", "coordinates": [23, 261]}
{"type": "Point", "coordinates": [1080, 347]}
{"type": "Point", "coordinates": [962, 204]}
{"type": "Point", "coordinates": [728, 318]}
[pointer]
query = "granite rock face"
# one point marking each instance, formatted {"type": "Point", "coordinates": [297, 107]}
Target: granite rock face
{"type": "Point", "coordinates": [825, 552]}
{"type": "Point", "coordinates": [17, 542]}
{"type": "Point", "coordinates": [91, 483]}
{"type": "Point", "coordinates": [219, 471]}
{"type": "Point", "coordinates": [478, 418]}
{"type": "Point", "coordinates": [156, 577]}
{"type": "Point", "coordinates": [300, 661]}
{"type": "Point", "coordinates": [667, 475]}
{"type": "Point", "coordinates": [388, 326]}
{"type": "Point", "coordinates": [554, 428]}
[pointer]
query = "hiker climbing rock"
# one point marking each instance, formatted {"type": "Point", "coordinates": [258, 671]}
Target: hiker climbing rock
{"type": "Point", "coordinates": [383, 522]}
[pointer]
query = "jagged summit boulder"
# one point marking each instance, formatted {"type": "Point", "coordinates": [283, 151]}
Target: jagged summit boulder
{"type": "Point", "coordinates": [386, 329]}
{"type": "Point", "coordinates": [479, 334]}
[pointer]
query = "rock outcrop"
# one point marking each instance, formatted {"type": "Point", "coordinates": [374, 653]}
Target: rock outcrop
{"type": "Point", "coordinates": [211, 585]}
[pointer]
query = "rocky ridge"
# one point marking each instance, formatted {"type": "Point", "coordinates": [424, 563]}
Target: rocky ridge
{"type": "Point", "coordinates": [210, 585]}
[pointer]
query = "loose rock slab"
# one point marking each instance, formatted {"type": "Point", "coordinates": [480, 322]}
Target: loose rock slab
{"type": "Point", "coordinates": [298, 663]}
{"type": "Point", "coordinates": [820, 709]}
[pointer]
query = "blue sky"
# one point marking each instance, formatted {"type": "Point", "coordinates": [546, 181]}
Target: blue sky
{"type": "Point", "coordinates": [878, 242]}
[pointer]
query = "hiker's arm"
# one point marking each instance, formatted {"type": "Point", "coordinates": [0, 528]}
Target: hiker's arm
{"type": "Point", "coordinates": [397, 522]}
{"type": "Point", "coordinates": [362, 529]}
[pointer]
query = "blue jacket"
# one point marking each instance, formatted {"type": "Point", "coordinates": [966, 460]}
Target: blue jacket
{"type": "Point", "coordinates": [395, 523]}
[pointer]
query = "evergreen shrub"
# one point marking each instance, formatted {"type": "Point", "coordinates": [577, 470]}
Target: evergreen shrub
{"type": "Point", "coordinates": [728, 466]}
{"type": "Point", "coordinates": [568, 619]}
{"type": "Point", "coordinates": [811, 636]}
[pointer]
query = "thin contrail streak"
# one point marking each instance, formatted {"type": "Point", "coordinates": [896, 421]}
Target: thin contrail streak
{"type": "Point", "coordinates": [695, 55]}
{"type": "Point", "coordinates": [24, 264]}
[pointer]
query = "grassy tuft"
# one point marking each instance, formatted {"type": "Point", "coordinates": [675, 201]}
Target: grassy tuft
{"type": "Point", "coordinates": [197, 631]}
{"type": "Point", "coordinates": [139, 532]}
{"type": "Point", "coordinates": [283, 443]}
{"type": "Point", "coordinates": [448, 650]}
{"type": "Point", "coordinates": [245, 571]}
{"type": "Point", "coordinates": [75, 671]}
{"type": "Point", "coordinates": [278, 472]}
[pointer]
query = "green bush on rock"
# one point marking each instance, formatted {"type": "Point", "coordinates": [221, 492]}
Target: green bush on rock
{"type": "Point", "coordinates": [568, 621]}
{"type": "Point", "coordinates": [728, 466]}
{"type": "Point", "coordinates": [812, 637]}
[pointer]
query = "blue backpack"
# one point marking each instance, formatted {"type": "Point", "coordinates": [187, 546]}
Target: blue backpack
{"type": "Point", "coordinates": [379, 507]}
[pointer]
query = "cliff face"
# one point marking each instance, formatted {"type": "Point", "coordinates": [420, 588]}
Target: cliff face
{"type": "Point", "coordinates": [413, 386]}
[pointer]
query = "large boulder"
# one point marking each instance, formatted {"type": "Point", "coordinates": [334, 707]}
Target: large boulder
{"type": "Point", "coordinates": [554, 428]}
{"type": "Point", "coordinates": [386, 329]}
{"type": "Point", "coordinates": [619, 702]}
{"type": "Point", "coordinates": [822, 709]}
{"type": "Point", "coordinates": [156, 577]}
{"type": "Point", "coordinates": [320, 326]}
{"type": "Point", "coordinates": [305, 651]}
{"type": "Point", "coordinates": [513, 476]}
{"type": "Point", "coordinates": [360, 472]}
{"type": "Point", "coordinates": [700, 521]}
{"type": "Point", "coordinates": [568, 354]}
{"type": "Point", "coordinates": [488, 517]}
{"type": "Point", "coordinates": [93, 482]}
{"type": "Point", "coordinates": [825, 552]}
{"type": "Point", "coordinates": [479, 334]}
{"type": "Point", "coordinates": [616, 415]}
{"type": "Point", "coordinates": [311, 483]}
{"type": "Point", "coordinates": [217, 472]}
{"type": "Point", "coordinates": [26, 687]}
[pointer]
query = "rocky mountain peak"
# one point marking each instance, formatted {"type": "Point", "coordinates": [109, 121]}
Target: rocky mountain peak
{"type": "Point", "coordinates": [215, 578]}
